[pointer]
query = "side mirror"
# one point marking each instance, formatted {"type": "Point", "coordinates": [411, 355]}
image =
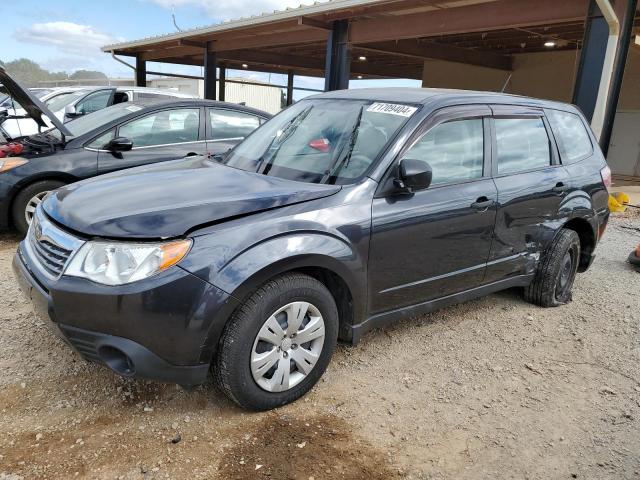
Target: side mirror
{"type": "Point", "coordinates": [71, 112]}
{"type": "Point", "coordinates": [414, 175]}
{"type": "Point", "coordinates": [120, 144]}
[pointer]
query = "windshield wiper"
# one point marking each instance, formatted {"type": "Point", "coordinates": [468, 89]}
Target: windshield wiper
{"type": "Point", "coordinates": [334, 170]}
{"type": "Point", "coordinates": [278, 140]}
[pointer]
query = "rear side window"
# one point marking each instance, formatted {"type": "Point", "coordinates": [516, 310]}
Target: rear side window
{"type": "Point", "coordinates": [522, 143]}
{"type": "Point", "coordinates": [573, 140]}
{"type": "Point", "coordinates": [227, 124]}
{"type": "Point", "coordinates": [454, 150]}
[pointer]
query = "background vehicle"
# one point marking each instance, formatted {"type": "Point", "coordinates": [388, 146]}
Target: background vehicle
{"type": "Point", "coordinates": [68, 103]}
{"type": "Point", "coordinates": [121, 136]}
{"type": "Point", "coordinates": [343, 213]}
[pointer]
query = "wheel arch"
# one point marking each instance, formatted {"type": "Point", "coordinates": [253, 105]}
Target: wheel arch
{"type": "Point", "coordinates": [588, 240]}
{"type": "Point", "coordinates": [324, 257]}
{"type": "Point", "coordinates": [26, 182]}
{"type": "Point", "coordinates": [326, 270]}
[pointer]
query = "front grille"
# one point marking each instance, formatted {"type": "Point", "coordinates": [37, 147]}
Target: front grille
{"type": "Point", "coordinates": [51, 257]}
{"type": "Point", "coordinates": [49, 246]}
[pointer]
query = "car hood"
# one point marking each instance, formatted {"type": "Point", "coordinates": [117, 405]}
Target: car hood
{"type": "Point", "coordinates": [169, 199]}
{"type": "Point", "coordinates": [30, 103]}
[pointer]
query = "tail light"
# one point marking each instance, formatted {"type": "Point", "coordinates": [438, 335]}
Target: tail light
{"type": "Point", "coordinates": [605, 173]}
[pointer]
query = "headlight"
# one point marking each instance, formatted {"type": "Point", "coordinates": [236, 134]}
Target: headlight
{"type": "Point", "coordinates": [10, 163]}
{"type": "Point", "coordinates": [112, 263]}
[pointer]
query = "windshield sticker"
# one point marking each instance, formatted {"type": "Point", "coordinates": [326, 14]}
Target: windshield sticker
{"type": "Point", "coordinates": [392, 109]}
{"type": "Point", "coordinates": [133, 108]}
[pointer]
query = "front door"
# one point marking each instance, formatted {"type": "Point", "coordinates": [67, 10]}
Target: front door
{"type": "Point", "coordinates": [435, 242]}
{"type": "Point", "coordinates": [159, 136]}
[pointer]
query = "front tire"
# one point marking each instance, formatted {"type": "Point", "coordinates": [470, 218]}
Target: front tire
{"type": "Point", "coordinates": [26, 201]}
{"type": "Point", "coordinates": [556, 272]}
{"type": "Point", "coordinates": [278, 343]}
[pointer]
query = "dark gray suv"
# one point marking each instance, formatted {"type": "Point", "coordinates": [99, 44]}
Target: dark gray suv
{"type": "Point", "coordinates": [343, 213]}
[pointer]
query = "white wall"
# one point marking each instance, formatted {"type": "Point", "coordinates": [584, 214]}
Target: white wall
{"type": "Point", "coordinates": [263, 97]}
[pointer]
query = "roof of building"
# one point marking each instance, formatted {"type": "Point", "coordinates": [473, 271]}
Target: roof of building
{"type": "Point", "coordinates": [265, 17]}
{"type": "Point", "coordinates": [387, 38]}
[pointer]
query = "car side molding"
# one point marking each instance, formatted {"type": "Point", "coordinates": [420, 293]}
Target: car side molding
{"type": "Point", "coordinates": [385, 318]}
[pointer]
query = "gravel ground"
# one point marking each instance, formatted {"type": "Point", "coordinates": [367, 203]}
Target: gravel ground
{"type": "Point", "coordinates": [494, 388]}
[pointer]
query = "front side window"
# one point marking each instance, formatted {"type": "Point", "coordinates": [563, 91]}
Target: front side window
{"type": "Point", "coordinates": [454, 151]}
{"type": "Point", "coordinates": [573, 140]}
{"type": "Point", "coordinates": [163, 128]}
{"type": "Point", "coordinates": [228, 124]}
{"type": "Point", "coordinates": [94, 102]}
{"type": "Point", "coordinates": [321, 140]}
{"type": "Point", "coordinates": [522, 144]}
{"type": "Point", "coordinates": [101, 141]}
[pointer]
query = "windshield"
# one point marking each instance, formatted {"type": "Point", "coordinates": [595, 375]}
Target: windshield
{"type": "Point", "coordinates": [91, 121]}
{"type": "Point", "coordinates": [58, 102]}
{"type": "Point", "coordinates": [321, 141]}
{"type": "Point", "coordinates": [7, 102]}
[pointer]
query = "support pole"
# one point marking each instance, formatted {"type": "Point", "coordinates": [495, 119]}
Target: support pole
{"type": "Point", "coordinates": [338, 62]}
{"type": "Point", "coordinates": [594, 47]}
{"type": "Point", "coordinates": [210, 65]}
{"type": "Point", "coordinates": [222, 82]}
{"type": "Point", "coordinates": [141, 72]}
{"type": "Point", "coordinates": [626, 37]}
{"type": "Point", "coordinates": [290, 88]}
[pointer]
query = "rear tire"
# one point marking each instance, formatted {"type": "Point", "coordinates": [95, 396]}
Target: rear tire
{"type": "Point", "coordinates": [27, 199]}
{"type": "Point", "coordinates": [264, 326]}
{"type": "Point", "coordinates": [556, 272]}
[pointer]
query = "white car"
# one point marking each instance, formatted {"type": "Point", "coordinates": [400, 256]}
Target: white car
{"type": "Point", "coordinates": [68, 103]}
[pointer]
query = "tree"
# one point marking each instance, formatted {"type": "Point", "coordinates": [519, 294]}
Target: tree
{"type": "Point", "coordinates": [87, 75]}
{"type": "Point", "coordinates": [30, 74]}
{"type": "Point", "coordinates": [26, 71]}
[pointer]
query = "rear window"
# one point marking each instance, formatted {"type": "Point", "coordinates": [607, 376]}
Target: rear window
{"type": "Point", "coordinates": [522, 144]}
{"type": "Point", "coordinates": [572, 136]}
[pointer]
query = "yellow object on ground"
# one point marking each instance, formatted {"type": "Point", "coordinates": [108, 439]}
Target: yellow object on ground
{"type": "Point", "coordinates": [618, 202]}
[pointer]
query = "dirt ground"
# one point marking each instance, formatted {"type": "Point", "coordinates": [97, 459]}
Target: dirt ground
{"type": "Point", "coordinates": [494, 388]}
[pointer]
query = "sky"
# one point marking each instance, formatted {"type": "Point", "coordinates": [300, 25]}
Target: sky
{"type": "Point", "coordinates": [67, 34]}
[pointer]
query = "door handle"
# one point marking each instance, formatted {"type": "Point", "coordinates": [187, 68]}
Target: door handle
{"type": "Point", "coordinates": [483, 203]}
{"type": "Point", "coordinates": [191, 154]}
{"type": "Point", "coordinates": [560, 187]}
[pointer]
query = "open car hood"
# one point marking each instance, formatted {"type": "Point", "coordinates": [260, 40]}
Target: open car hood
{"type": "Point", "coordinates": [169, 199]}
{"type": "Point", "coordinates": [33, 107]}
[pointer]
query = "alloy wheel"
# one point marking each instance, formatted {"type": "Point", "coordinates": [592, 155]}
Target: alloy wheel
{"type": "Point", "coordinates": [32, 204]}
{"type": "Point", "coordinates": [287, 346]}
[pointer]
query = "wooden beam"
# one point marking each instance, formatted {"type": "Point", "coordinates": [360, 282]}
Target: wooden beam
{"type": "Point", "coordinates": [313, 23]}
{"type": "Point", "coordinates": [496, 15]}
{"type": "Point", "coordinates": [418, 49]}
{"type": "Point", "coordinates": [184, 42]}
{"type": "Point", "coordinates": [162, 53]}
{"type": "Point", "coordinates": [287, 62]}
{"type": "Point", "coordinates": [309, 35]}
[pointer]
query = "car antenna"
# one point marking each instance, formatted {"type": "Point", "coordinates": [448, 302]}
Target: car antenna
{"type": "Point", "coordinates": [173, 17]}
{"type": "Point", "coordinates": [504, 87]}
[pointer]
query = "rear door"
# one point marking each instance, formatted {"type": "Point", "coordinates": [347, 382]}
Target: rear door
{"type": "Point", "coordinates": [435, 242]}
{"type": "Point", "coordinates": [166, 134]}
{"type": "Point", "coordinates": [532, 186]}
{"type": "Point", "coordinates": [227, 127]}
